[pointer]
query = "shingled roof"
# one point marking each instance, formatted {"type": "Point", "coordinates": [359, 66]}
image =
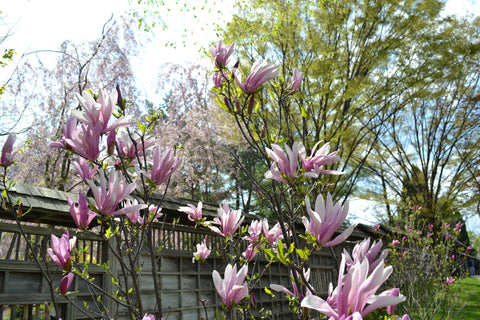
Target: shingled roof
{"type": "Point", "coordinates": [50, 206]}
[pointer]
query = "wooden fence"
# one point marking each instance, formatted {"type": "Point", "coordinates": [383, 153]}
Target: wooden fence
{"type": "Point", "coordinates": [186, 287]}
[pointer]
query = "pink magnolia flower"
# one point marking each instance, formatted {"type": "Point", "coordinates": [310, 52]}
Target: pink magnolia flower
{"type": "Point", "coordinates": [284, 164]}
{"type": "Point", "coordinates": [313, 165]}
{"type": "Point", "coordinates": [221, 53]}
{"type": "Point", "coordinates": [395, 242]}
{"type": "Point", "coordinates": [250, 253]}
{"type": "Point", "coordinates": [260, 73]}
{"type": "Point", "coordinates": [273, 235]}
{"type": "Point", "coordinates": [203, 251]}
{"type": "Point", "coordinates": [82, 215]}
{"type": "Point", "coordinates": [85, 140]}
{"type": "Point", "coordinates": [110, 194]}
{"type": "Point", "coordinates": [60, 251]}
{"type": "Point", "coordinates": [217, 79]}
{"type": "Point", "coordinates": [458, 227]}
{"type": "Point", "coordinates": [363, 250]}
{"type": "Point", "coordinates": [233, 288]}
{"type": "Point", "coordinates": [65, 283]}
{"type": "Point", "coordinates": [100, 111]}
{"type": "Point", "coordinates": [469, 249]}
{"type": "Point", "coordinates": [8, 155]}
{"type": "Point", "coordinates": [136, 217]}
{"type": "Point", "coordinates": [163, 166]}
{"type": "Point", "coordinates": [376, 227]}
{"type": "Point", "coordinates": [228, 220]}
{"type": "Point", "coordinates": [150, 317]}
{"type": "Point", "coordinates": [296, 81]}
{"type": "Point", "coordinates": [395, 292]}
{"type": "Point", "coordinates": [326, 220]}
{"type": "Point", "coordinates": [129, 148]}
{"type": "Point", "coordinates": [84, 170]}
{"type": "Point", "coordinates": [254, 231]}
{"type": "Point", "coordinates": [194, 213]}
{"type": "Point", "coordinates": [354, 291]}
{"type": "Point", "coordinates": [450, 280]}
{"type": "Point", "coordinates": [296, 293]}
{"type": "Point", "coordinates": [68, 129]}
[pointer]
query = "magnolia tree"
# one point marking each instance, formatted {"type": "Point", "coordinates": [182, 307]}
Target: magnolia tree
{"type": "Point", "coordinates": [122, 164]}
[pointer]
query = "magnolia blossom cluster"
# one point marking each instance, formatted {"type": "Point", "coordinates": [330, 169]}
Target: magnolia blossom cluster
{"type": "Point", "coordinates": [354, 297]}
{"type": "Point", "coordinates": [60, 253]}
{"type": "Point", "coordinates": [285, 165]}
{"type": "Point", "coordinates": [83, 133]}
{"type": "Point", "coordinates": [260, 72]}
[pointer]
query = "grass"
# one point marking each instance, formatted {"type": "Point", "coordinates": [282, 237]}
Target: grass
{"type": "Point", "coordinates": [470, 293]}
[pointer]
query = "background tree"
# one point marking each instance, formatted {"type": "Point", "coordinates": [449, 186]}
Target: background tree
{"type": "Point", "coordinates": [48, 94]}
{"type": "Point", "coordinates": [367, 65]}
{"type": "Point", "coordinates": [356, 69]}
{"type": "Point", "coordinates": [429, 150]}
{"type": "Point", "coordinates": [202, 131]}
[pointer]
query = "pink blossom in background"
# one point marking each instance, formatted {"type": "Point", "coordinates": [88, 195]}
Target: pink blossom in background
{"type": "Point", "coordinates": [363, 250]}
{"type": "Point", "coordinates": [65, 283]}
{"type": "Point", "coordinates": [163, 166]}
{"type": "Point", "coordinates": [84, 170]}
{"type": "Point", "coordinates": [355, 292]}
{"type": "Point", "coordinates": [221, 54]}
{"type": "Point", "coordinates": [260, 73]}
{"type": "Point", "coordinates": [203, 251]}
{"type": "Point", "coordinates": [254, 231]}
{"type": "Point", "coordinates": [100, 111]}
{"type": "Point", "coordinates": [130, 149]}
{"type": "Point", "coordinates": [313, 165]}
{"type": "Point", "coordinates": [376, 227]}
{"type": "Point", "coordinates": [296, 81]}
{"type": "Point", "coordinates": [111, 193]}
{"type": "Point", "coordinates": [194, 213]}
{"type": "Point", "coordinates": [232, 288]}
{"type": "Point", "coordinates": [228, 220]}
{"type": "Point", "coordinates": [458, 227]}
{"type": "Point", "coordinates": [82, 215]}
{"type": "Point", "coordinates": [450, 280]}
{"type": "Point", "coordinates": [284, 164]}
{"type": "Point", "coordinates": [60, 251]}
{"type": "Point", "coordinates": [296, 292]}
{"type": "Point", "coordinates": [395, 242]}
{"type": "Point", "coordinates": [136, 217]}
{"type": "Point", "coordinates": [326, 220]}
{"type": "Point", "coordinates": [8, 155]}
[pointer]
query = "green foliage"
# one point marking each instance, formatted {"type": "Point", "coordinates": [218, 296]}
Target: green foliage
{"type": "Point", "coordinates": [425, 261]}
{"type": "Point", "coordinates": [470, 294]}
